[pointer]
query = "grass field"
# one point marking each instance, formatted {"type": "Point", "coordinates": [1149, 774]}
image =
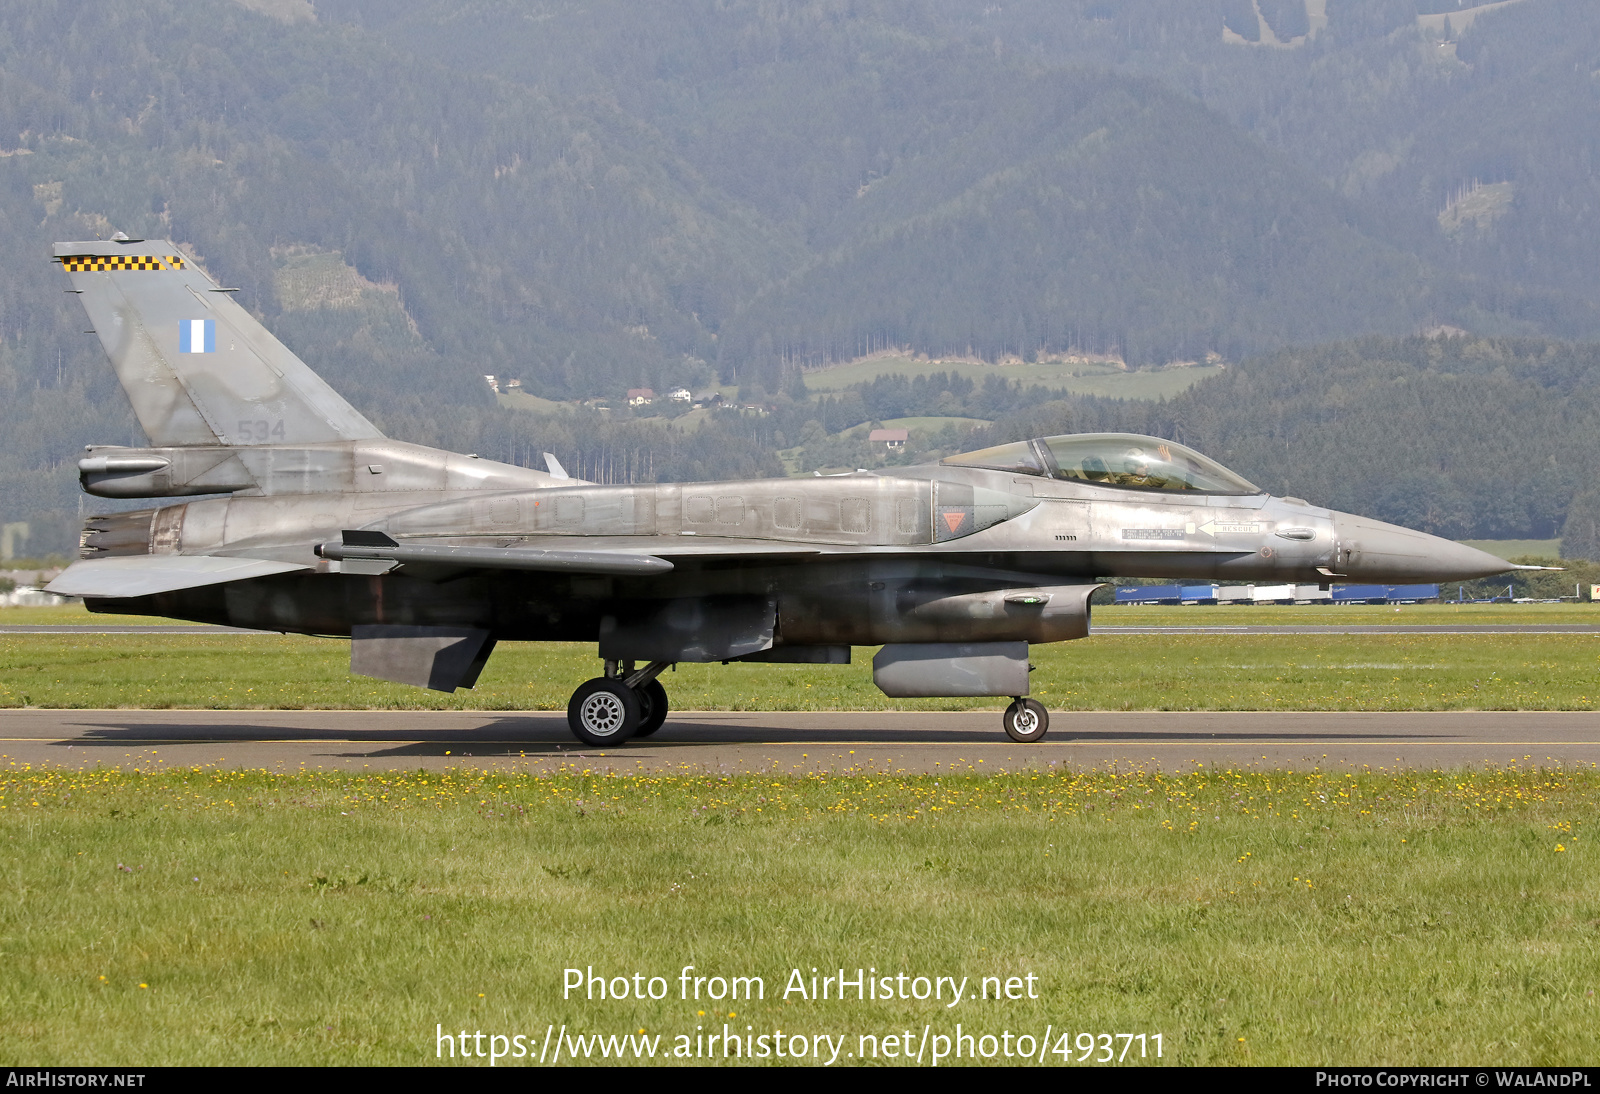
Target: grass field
{"type": "Point", "coordinates": [1107, 672]}
{"type": "Point", "coordinates": [210, 917]}
{"type": "Point", "coordinates": [521, 400]}
{"type": "Point", "coordinates": [1079, 377]}
{"type": "Point", "coordinates": [204, 916]}
{"type": "Point", "coordinates": [927, 423]}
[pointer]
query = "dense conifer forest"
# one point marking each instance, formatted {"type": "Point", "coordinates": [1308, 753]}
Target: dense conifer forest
{"type": "Point", "coordinates": [595, 195]}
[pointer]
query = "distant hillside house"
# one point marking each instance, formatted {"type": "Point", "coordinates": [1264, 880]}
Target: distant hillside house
{"type": "Point", "coordinates": [640, 396]}
{"type": "Point", "coordinates": [513, 385]}
{"type": "Point", "coordinates": [894, 438]}
{"type": "Point", "coordinates": [708, 398]}
{"type": "Point", "coordinates": [679, 395]}
{"type": "Point", "coordinates": [493, 382]}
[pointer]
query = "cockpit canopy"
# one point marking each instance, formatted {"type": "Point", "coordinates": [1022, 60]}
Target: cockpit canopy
{"type": "Point", "coordinates": [1124, 460]}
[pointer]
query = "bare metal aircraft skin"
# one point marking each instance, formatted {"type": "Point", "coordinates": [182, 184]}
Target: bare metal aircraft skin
{"type": "Point", "coordinates": [307, 519]}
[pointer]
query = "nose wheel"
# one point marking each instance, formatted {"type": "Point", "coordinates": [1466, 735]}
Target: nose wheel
{"type": "Point", "coordinates": [1026, 720]}
{"type": "Point", "coordinates": [622, 704]}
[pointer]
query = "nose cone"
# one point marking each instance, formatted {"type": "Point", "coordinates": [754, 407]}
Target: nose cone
{"type": "Point", "coordinates": [1370, 550]}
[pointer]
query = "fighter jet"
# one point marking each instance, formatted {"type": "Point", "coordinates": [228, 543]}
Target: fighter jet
{"type": "Point", "coordinates": [306, 519]}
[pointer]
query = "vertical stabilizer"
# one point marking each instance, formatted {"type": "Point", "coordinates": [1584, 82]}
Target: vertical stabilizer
{"type": "Point", "coordinates": [199, 369]}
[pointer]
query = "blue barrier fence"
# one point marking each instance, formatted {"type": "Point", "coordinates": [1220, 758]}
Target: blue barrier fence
{"type": "Point", "coordinates": [1241, 594]}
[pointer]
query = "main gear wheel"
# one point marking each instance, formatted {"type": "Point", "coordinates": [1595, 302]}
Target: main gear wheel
{"type": "Point", "coordinates": [653, 707]}
{"type": "Point", "coordinates": [604, 712]}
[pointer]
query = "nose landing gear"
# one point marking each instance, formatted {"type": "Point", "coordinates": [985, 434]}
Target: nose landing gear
{"type": "Point", "coordinates": [624, 703]}
{"type": "Point", "coordinates": [1026, 720]}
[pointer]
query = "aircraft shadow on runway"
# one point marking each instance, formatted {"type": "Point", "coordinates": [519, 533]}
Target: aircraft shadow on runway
{"type": "Point", "coordinates": [527, 735]}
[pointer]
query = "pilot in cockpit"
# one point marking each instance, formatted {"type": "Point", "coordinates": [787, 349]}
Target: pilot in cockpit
{"type": "Point", "coordinates": [1136, 471]}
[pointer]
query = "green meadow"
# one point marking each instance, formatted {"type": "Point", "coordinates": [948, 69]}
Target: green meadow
{"type": "Point", "coordinates": [1109, 672]}
{"type": "Point", "coordinates": [212, 917]}
{"type": "Point", "coordinates": [1327, 670]}
{"type": "Point", "coordinates": [1081, 377]}
{"type": "Point", "coordinates": [203, 916]}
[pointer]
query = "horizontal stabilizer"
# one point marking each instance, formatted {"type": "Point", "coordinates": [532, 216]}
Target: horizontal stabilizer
{"type": "Point", "coordinates": [145, 575]}
{"type": "Point", "coordinates": [491, 558]}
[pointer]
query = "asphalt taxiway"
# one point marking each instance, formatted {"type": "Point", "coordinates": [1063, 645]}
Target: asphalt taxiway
{"type": "Point", "coordinates": [792, 742]}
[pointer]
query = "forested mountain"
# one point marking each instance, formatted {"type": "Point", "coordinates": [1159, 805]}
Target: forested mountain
{"type": "Point", "coordinates": [593, 195]}
{"type": "Point", "coordinates": [1462, 437]}
{"type": "Point", "coordinates": [1490, 438]}
{"type": "Point", "coordinates": [1050, 235]}
{"type": "Point", "coordinates": [965, 174]}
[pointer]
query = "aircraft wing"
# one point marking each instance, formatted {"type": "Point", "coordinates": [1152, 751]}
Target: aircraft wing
{"type": "Point", "coordinates": [144, 575]}
{"type": "Point", "coordinates": [706, 548]}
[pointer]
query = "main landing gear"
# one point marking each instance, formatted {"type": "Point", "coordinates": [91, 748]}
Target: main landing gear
{"type": "Point", "coordinates": [1026, 720]}
{"type": "Point", "coordinates": [624, 703]}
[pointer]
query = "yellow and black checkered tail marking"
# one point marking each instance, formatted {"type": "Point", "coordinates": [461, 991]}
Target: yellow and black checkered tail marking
{"type": "Point", "coordinates": [98, 263]}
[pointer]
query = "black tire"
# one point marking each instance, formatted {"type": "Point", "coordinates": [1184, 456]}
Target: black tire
{"type": "Point", "coordinates": [652, 708]}
{"type": "Point", "coordinates": [1026, 720]}
{"type": "Point", "coordinates": [603, 712]}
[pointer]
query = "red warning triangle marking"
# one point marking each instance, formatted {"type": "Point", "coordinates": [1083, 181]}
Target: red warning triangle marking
{"type": "Point", "coordinates": [953, 519]}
